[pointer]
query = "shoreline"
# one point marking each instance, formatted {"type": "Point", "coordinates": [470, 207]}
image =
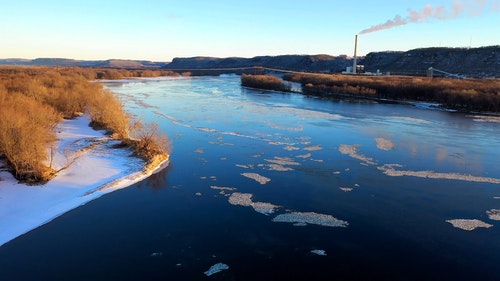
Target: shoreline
{"type": "Point", "coordinates": [92, 172]}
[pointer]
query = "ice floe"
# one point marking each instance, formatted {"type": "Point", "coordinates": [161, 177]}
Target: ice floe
{"type": "Point", "coordinates": [245, 199]}
{"type": "Point", "coordinates": [216, 268]}
{"type": "Point", "coordinates": [467, 224]}
{"type": "Point", "coordinates": [308, 155]}
{"type": "Point", "coordinates": [291, 148]}
{"type": "Point", "coordinates": [346, 189]}
{"type": "Point", "coordinates": [279, 168]}
{"type": "Point", "coordinates": [384, 144]}
{"type": "Point", "coordinates": [222, 189]}
{"type": "Point", "coordinates": [313, 148]}
{"type": "Point", "coordinates": [494, 214]}
{"type": "Point", "coordinates": [352, 150]}
{"type": "Point", "coordinates": [241, 199]}
{"type": "Point", "coordinates": [479, 118]}
{"type": "Point", "coordinates": [409, 119]}
{"type": "Point", "coordinates": [311, 218]}
{"type": "Point", "coordinates": [260, 179]}
{"type": "Point", "coordinates": [389, 170]}
{"type": "Point", "coordinates": [319, 252]}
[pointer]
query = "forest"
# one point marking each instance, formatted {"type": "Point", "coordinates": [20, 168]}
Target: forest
{"type": "Point", "coordinates": [33, 100]}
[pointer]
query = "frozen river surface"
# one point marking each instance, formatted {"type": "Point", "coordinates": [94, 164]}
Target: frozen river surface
{"type": "Point", "coordinates": [272, 186]}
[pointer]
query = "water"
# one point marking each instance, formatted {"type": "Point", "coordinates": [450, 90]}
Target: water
{"type": "Point", "coordinates": [176, 224]}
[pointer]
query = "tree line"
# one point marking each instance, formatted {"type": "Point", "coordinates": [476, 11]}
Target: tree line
{"type": "Point", "coordinates": [461, 94]}
{"type": "Point", "coordinates": [33, 100]}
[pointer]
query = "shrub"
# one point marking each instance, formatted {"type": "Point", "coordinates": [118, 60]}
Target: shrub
{"type": "Point", "coordinates": [266, 82]}
{"type": "Point", "coordinates": [34, 100]}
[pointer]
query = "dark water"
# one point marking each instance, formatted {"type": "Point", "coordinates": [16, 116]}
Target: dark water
{"type": "Point", "coordinates": [174, 226]}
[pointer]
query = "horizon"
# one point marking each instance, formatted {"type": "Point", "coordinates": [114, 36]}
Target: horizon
{"type": "Point", "coordinates": [156, 61]}
{"type": "Point", "coordinates": [159, 32]}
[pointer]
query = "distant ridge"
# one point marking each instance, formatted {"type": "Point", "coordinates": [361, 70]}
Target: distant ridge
{"type": "Point", "coordinates": [479, 62]}
{"type": "Point", "coordinates": [317, 63]}
{"type": "Point", "coordinates": [111, 63]}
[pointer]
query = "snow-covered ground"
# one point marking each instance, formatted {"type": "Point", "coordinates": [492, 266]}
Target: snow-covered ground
{"type": "Point", "coordinates": [91, 167]}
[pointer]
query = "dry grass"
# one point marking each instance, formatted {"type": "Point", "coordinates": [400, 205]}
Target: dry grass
{"type": "Point", "coordinates": [34, 100]}
{"type": "Point", "coordinates": [266, 82]}
{"type": "Point", "coordinates": [467, 94]}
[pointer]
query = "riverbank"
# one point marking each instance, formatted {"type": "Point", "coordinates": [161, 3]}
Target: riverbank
{"type": "Point", "coordinates": [90, 165]}
{"type": "Point", "coordinates": [466, 95]}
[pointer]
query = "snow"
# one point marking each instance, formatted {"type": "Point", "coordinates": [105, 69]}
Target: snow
{"type": "Point", "coordinates": [91, 167]}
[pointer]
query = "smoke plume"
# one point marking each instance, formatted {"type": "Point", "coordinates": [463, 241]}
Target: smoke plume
{"type": "Point", "coordinates": [428, 12]}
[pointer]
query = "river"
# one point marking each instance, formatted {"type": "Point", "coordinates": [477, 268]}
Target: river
{"type": "Point", "coordinates": [284, 187]}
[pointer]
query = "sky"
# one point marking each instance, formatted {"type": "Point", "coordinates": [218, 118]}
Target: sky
{"type": "Point", "coordinates": [161, 30]}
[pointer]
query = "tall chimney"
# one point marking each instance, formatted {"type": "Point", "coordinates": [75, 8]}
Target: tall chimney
{"type": "Point", "coordinates": [354, 64]}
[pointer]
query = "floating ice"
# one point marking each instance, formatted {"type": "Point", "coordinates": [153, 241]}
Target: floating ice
{"type": "Point", "coordinates": [291, 148]}
{"type": "Point", "coordinates": [264, 208]}
{"type": "Point", "coordinates": [260, 179]}
{"type": "Point", "coordinates": [222, 189]}
{"type": "Point", "coordinates": [319, 252]}
{"type": "Point", "coordinates": [157, 254]}
{"type": "Point", "coordinates": [313, 148]}
{"type": "Point", "coordinates": [352, 150]}
{"type": "Point", "coordinates": [389, 170]}
{"type": "Point", "coordinates": [245, 199]}
{"type": "Point", "coordinates": [216, 268]}
{"type": "Point", "coordinates": [469, 225]}
{"type": "Point", "coordinates": [279, 168]}
{"type": "Point", "coordinates": [494, 214]}
{"type": "Point", "coordinates": [199, 150]}
{"type": "Point", "coordinates": [346, 189]}
{"type": "Point", "coordinates": [311, 218]}
{"type": "Point", "coordinates": [384, 144]}
{"type": "Point", "coordinates": [282, 161]}
{"type": "Point", "coordinates": [409, 119]}
{"type": "Point", "coordinates": [242, 199]}
{"type": "Point", "coordinates": [479, 118]}
{"type": "Point", "coordinates": [304, 155]}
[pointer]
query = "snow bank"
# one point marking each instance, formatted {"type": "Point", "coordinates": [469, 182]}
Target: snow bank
{"type": "Point", "coordinates": [88, 174]}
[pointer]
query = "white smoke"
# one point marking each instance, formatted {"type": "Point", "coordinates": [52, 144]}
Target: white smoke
{"type": "Point", "coordinates": [428, 12]}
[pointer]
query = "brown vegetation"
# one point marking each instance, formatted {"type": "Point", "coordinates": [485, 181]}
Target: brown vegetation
{"type": "Point", "coordinates": [467, 94]}
{"type": "Point", "coordinates": [34, 100]}
{"type": "Point", "coordinates": [266, 82]}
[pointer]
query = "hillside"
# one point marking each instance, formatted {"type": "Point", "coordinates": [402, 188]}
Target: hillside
{"type": "Point", "coordinates": [476, 62]}
{"type": "Point", "coordinates": [317, 63]}
{"type": "Point", "coordinates": [472, 62]}
{"type": "Point", "coordinates": [112, 63]}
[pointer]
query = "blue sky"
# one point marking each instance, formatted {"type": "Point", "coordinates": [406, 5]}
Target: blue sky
{"type": "Point", "coordinates": [161, 30]}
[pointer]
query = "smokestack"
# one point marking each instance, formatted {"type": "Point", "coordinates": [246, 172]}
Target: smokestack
{"type": "Point", "coordinates": [354, 64]}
